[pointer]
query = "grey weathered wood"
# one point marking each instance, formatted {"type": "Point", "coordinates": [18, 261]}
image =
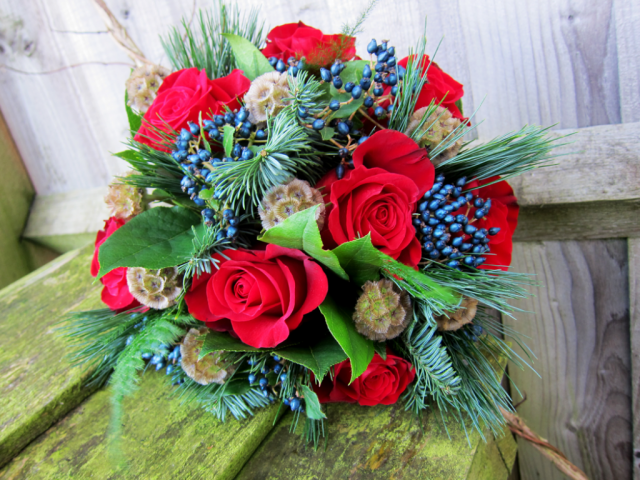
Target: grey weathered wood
{"type": "Point", "coordinates": [580, 334]}
{"type": "Point", "coordinates": [627, 18]}
{"type": "Point", "coordinates": [66, 221]}
{"type": "Point", "coordinates": [634, 316]}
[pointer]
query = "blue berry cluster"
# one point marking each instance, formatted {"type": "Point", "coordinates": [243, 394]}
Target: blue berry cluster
{"type": "Point", "coordinates": [386, 72]}
{"type": "Point", "coordinates": [270, 378]}
{"type": "Point", "coordinates": [473, 331]}
{"type": "Point", "coordinates": [292, 67]}
{"type": "Point", "coordinates": [166, 356]}
{"type": "Point", "coordinates": [229, 223]}
{"type": "Point", "coordinates": [452, 238]}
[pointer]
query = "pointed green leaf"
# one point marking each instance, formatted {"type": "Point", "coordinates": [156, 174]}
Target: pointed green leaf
{"type": "Point", "coordinates": [220, 341]}
{"type": "Point", "coordinates": [135, 120]}
{"type": "Point", "coordinates": [358, 348]}
{"type": "Point", "coordinates": [318, 358]}
{"type": "Point", "coordinates": [249, 59]}
{"type": "Point", "coordinates": [128, 155]}
{"type": "Point", "coordinates": [327, 133]}
{"type": "Point", "coordinates": [236, 386]}
{"type": "Point", "coordinates": [300, 231]}
{"type": "Point", "coordinates": [360, 259]}
{"type": "Point", "coordinates": [312, 404]}
{"type": "Point", "coordinates": [158, 238]}
{"type": "Point", "coordinates": [227, 139]}
{"type": "Point", "coordinates": [381, 349]}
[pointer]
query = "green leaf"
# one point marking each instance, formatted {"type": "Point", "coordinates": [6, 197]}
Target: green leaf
{"type": "Point", "coordinates": [381, 349]}
{"type": "Point", "coordinates": [223, 342]}
{"type": "Point", "coordinates": [352, 71]}
{"type": "Point", "coordinates": [158, 238]}
{"type": "Point", "coordinates": [227, 139]}
{"type": "Point", "coordinates": [206, 194]}
{"type": "Point", "coordinates": [348, 109]}
{"type": "Point", "coordinates": [249, 59]}
{"type": "Point", "coordinates": [458, 104]}
{"type": "Point", "coordinates": [312, 404]}
{"type": "Point", "coordinates": [358, 348]}
{"type": "Point", "coordinates": [135, 120]}
{"type": "Point", "coordinates": [327, 133]}
{"type": "Point", "coordinates": [318, 358]}
{"type": "Point", "coordinates": [360, 259]}
{"type": "Point", "coordinates": [129, 155]}
{"type": "Point", "coordinates": [237, 386]}
{"type": "Point", "coordinates": [300, 231]}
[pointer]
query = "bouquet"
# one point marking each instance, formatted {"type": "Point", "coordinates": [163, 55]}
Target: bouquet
{"type": "Point", "coordinates": [303, 226]}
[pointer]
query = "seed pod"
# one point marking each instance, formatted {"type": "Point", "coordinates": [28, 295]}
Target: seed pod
{"type": "Point", "coordinates": [154, 288]}
{"type": "Point", "coordinates": [208, 369]}
{"type": "Point", "coordinates": [282, 201]}
{"type": "Point", "coordinates": [124, 201]}
{"type": "Point", "coordinates": [434, 130]}
{"type": "Point", "coordinates": [143, 84]}
{"type": "Point", "coordinates": [463, 315]}
{"type": "Point", "coordinates": [382, 311]}
{"type": "Point", "coordinates": [266, 94]}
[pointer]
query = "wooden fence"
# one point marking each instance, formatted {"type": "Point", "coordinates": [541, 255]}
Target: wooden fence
{"type": "Point", "coordinates": [573, 64]}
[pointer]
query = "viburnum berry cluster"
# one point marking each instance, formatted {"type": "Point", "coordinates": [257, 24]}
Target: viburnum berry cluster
{"type": "Point", "coordinates": [309, 227]}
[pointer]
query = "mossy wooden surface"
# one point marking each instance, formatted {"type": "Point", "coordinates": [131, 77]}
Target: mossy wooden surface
{"type": "Point", "coordinates": [37, 384]}
{"type": "Point", "coordinates": [161, 438]}
{"type": "Point", "coordinates": [381, 443]}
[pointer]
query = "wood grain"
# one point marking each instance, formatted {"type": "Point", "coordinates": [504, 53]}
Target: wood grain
{"type": "Point", "coordinates": [634, 300]}
{"type": "Point", "coordinates": [627, 18]}
{"type": "Point", "coordinates": [580, 334]}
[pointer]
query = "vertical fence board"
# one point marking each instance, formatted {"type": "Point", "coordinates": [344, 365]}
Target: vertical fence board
{"type": "Point", "coordinates": [627, 19]}
{"type": "Point", "coordinates": [634, 300]}
{"type": "Point", "coordinates": [580, 334]}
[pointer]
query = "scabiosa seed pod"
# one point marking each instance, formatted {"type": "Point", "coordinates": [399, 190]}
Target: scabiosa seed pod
{"type": "Point", "coordinates": [443, 124]}
{"type": "Point", "coordinates": [154, 288]}
{"type": "Point", "coordinates": [143, 84]}
{"type": "Point", "coordinates": [124, 201]}
{"type": "Point", "coordinates": [266, 94]}
{"type": "Point", "coordinates": [282, 201]}
{"type": "Point", "coordinates": [463, 315]}
{"type": "Point", "coordinates": [382, 311]}
{"type": "Point", "coordinates": [208, 369]}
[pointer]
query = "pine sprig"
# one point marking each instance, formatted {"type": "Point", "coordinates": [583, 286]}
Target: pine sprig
{"type": "Point", "coordinates": [204, 47]}
{"type": "Point", "coordinates": [352, 31]}
{"type": "Point", "coordinates": [508, 155]}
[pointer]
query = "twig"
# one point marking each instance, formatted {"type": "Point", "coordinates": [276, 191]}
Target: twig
{"type": "Point", "coordinates": [48, 72]}
{"type": "Point", "coordinates": [518, 427]}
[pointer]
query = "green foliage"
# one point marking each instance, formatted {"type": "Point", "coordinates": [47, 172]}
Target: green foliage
{"type": "Point", "coordinates": [318, 357]}
{"type": "Point", "coordinates": [217, 341]}
{"type": "Point", "coordinates": [135, 120]}
{"type": "Point", "coordinates": [300, 231]}
{"type": "Point", "coordinates": [352, 31]}
{"type": "Point", "coordinates": [204, 46]}
{"type": "Point", "coordinates": [158, 238]}
{"type": "Point", "coordinates": [312, 404]}
{"type": "Point", "coordinates": [227, 141]}
{"type": "Point", "coordinates": [249, 59]}
{"type": "Point", "coordinates": [358, 348]}
{"type": "Point", "coordinates": [360, 259]}
{"type": "Point", "coordinates": [508, 155]}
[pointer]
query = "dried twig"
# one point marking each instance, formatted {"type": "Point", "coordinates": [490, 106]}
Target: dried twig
{"type": "Point", "coordinates": [518, 427]}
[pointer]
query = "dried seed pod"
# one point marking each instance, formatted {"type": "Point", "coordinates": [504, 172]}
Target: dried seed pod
{"type": "Point", "coordinates": [434, 130]}
{"type": "Point", "coordinates": [154, 288]}
{"type": "Point", "coordinates": [282, 201]}
{"type": "Point", "coordinates": [266, 94]}
{"type": "Point", "coordinates": [382, 311]}
{"type": "Point", "coordinates": [143, 84]}
{"type": "Point", "coordinates": [208, 369]}
{"type": "Point", "coordinates": [458, 319]}
{"type": "Point", "coordinates": [123, 201]}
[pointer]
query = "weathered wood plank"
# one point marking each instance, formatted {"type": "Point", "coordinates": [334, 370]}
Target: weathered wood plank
{"type": "Point", "coordinates": [544, 63]}
{"type": "Point", "coordinates": [66, 221]}
{"type": "Point", "coordinates": [634, 315]}
{"type": "Point", "coordinates": [381, 443]}
{"type": "Point", "coordinates": [579, 221]}
{"type": "Point", "coordinates": [627, 18]}
{"type": "Point", "coordinates": [580, 334]}
{"type": "Point", "coordinates": [603, 165]}
{"type": "Point", "coordinates": [37, 385]}
{"type": "Point", "coordinates": [161, 438]}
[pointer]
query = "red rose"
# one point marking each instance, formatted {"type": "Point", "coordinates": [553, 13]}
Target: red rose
{"type": "Point", "coordinates": [116, 291]}
{"type": "Point", "coordinates": [186, 93]}
{"type": "Point", "coordinates": [382, 382]}
{"type": "Point", "coordinates": [264, 294]}
{"type": "Point", "coordinates": [372, 200]}
{"type": "Point", "coordinates": [299, 40]}
{"type": "Point", "coordinates": [439, 86]}
{"type": "Point", "coordinates": [502, 214]}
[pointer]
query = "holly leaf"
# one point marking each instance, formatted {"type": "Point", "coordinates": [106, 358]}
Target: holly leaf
{"type": "Point", "coordinates": [249, 59]}
{"type": "Point", "coordinates": [300, 231]}
{"type": "Point", "coordinates": [358, 348]}
{"type": "Point", "coordinates": [360, 259]}
{"type": "Point", "coordinates": [318, 358]}
{"type": "Point", "coordinates": [158, 238]}
{"type": "Point", "coordinates": [312, 404]}
{"type": "Point", "coordinates": [227, 139]}
{"type": "Point", "coordinates": [135, 120]}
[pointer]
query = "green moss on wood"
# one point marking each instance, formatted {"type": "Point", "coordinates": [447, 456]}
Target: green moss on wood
{"type": "Point", "coordinates": [37, 384]}
{"type": "Point", "coordinates": [161, 438]}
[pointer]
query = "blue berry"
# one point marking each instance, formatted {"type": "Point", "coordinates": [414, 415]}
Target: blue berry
{"type": "Point", "coordinates": [368, 102]}
{"type": "Point", "coordinates": [185, 135]}
{"type": "Point", "coordinates": [394, 90]}
{"type": "Point", "coordinates": [318, 124]}
{"type": "Point", "coordinates": [470, 229]}
{"type": "Point", "coordinates": [382, 56]}
{"type": "Point", "coordinates": [234, 221]}
{"type": "Point", "coordinates": [334, 105]}
{"type": "Point", "coordinates": [480, 261]}
{"type": "Point", "coordinates": [378, 91]}
{"type": "Point", "coordinates": [366, 71]}
{"type": "Point", "coordinates": [365, 83]}
{"type": "Point", "coordinates": [455, 227]}
{"type": "Point", "coordinates": [480, 213]}
{"type": "Point", "coordinates": [478, 203]}
{"type": "Point", "coordinates": [157, 358]}
{"type": "Point", "coordinates": [237, 150]}
{"type": "Point", "coordinates": [337, 82]}
{"type": "Point", "coordinates": [343, 128]}
{"type": "Point", "coordinates": [170, 369]}
{"type": "Point", "coordinates": [214, 134]}
{"type": "Point", "coordinates": [325, 74]}
{"type": "Point", "coordinates": [356, 92]}
{"type": "Point", "coordinates": [227, 214]}
{"type": "Point", "coordinates": [277, 368]}
{"type": "Point", "coordinates": [261, 135]}
{"type": "Point", "coordinates": [264, 382]}
{"type": "Point", "coordinates": [232, 231]}
{"type": "Point", "coordinates": [362, 140]}
{"type": "Point", "coordinates": [264, 371]}
{"type": "Point", "coordinates": [194, 128]}
{"type": "Point", "coordinates": [293, 71]}
{"type": "Point", "coordinates": [391, 61]}
{"type": "Point", "coordinates": [199, 201]}
{"type": "Point", "coordinates": [283, 377]}
{"type": "Point", "coordinates": [207, 212]}
{"type": "Point", "coordinates": [252, 378]}
{"type": "Point", "coordinates": [429, 246]}
{"type": "Point", "coordinates": [494, 230]}
{"type": "Point", "coordinates": [372, 47]}
{"type": "Point", "coordinates": [379, 112]}
{"type": "Point", "coordinates": [349, 86]}
{"type": "Point", "coordinates": [453, 263]}
{"type": "Point", "coordinates": [204, 155]}
{"type": "Point", "coordinates": [247, 154]}
{"type": "Point", "coordinates": [336, 69]}
{"type": "Point", "coordinates": [446, 251]}
{"type": "Point", "coordinates": [391, 79]}
{"type": "Point", "coordinates": [295, 404]}
{"type": "Point", "coordinates": [273, 61]}
{"type": "Point", "coordinates": [303, 112]}
{"type": "Point", "coordinates": [280, 66]}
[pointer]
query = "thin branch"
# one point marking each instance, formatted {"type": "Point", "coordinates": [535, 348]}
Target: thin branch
{"type": "Point", "coordinates": [48, 72]}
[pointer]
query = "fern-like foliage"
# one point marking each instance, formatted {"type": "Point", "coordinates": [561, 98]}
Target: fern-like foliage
{"type": "Point", "coordinates": [204, 47]}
